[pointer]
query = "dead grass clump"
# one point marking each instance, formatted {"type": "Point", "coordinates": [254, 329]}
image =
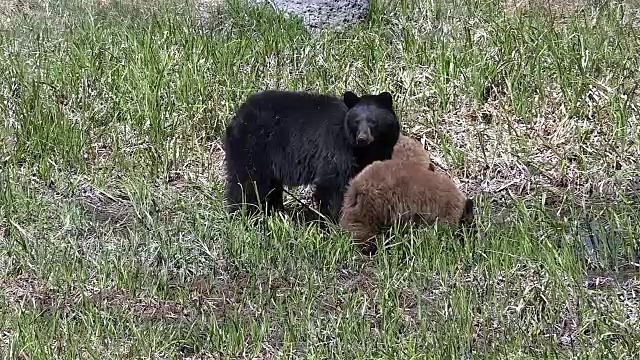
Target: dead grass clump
{"type": "Point", "coordinates": [559, 7]}
{"type": "Point", "coordinates": [104, 207]}
{"type": "Point", "coordinates": [509, 158]}
{"type": "Point", "coordinates": [27, 291]}
{"type": "Point", "coordinates": [144, 307]}
{"type": "Point", "coordinates": [20, 7]}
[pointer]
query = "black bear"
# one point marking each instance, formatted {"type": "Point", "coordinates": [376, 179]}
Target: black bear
{"type": "Point", "coordinates": [284, 138]}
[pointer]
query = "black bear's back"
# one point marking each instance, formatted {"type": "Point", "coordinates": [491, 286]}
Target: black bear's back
{"type": "Point", "coordinates": [291, 133]}
{"type": "Point", "coordinates": [286, 99]}
{"type": "Point", "coordinates": [310, 109]}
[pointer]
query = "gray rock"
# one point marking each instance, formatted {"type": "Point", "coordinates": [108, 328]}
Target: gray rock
{"type": "Point", "coordinates": [318, 14]}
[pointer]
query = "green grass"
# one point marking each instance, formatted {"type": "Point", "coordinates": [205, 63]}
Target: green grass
{"type": "Point", "coordinates": [114, 242]}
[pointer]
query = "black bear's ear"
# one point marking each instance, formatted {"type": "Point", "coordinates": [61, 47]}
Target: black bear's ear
{"type": "Point", "coordinates": [350, 99]}
{"type": "Point", "coordinates": [385, 100]}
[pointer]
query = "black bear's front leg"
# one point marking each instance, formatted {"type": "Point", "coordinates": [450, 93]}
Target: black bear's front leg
{"type": "Point", "coordinates": [274, 200]}
{"type": "Point", "coordinates": [329, 195]}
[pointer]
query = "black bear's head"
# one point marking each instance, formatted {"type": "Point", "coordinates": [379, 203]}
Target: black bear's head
{"type": "Point", "coordinates": [371, 120]}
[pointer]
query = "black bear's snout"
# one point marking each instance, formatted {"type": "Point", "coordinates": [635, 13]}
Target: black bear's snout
{"type": "Point", "coordinates": [364, 137]}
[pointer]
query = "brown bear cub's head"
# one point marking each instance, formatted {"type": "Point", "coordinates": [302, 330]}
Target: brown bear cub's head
{"type": "Point", "coordinates": [411, 150]}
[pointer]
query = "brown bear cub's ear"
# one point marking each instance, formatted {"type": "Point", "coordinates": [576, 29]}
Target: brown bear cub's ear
{"type": "Point", "coordinates": [431, 167]}
{"type": "Point", "coordinates": [385, 100]}
{"type": "Point", "coordinates": [350, 99]}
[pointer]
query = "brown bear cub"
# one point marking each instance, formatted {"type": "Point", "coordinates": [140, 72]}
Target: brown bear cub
{"type": "Point", "coordinates": [406, 189]}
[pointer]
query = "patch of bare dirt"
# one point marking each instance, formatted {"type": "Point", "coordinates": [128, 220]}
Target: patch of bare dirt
{"type": "Point", "coordinates": [203, 355]}
{"type": "Point", "coordinates": [217, 297]}
{"type": "Point", "coordinates": [147, 308]}
{"type": "Point", "coordinates": [267, 353]}
{"type": "Point", "coordinates": [221, 297]}
{"type": "Point", "coordinates": [100, 152]}
{"type": "Point", "coordinates": [105, 207]}
{"type": "Point", "coordinates": [558, 7]}
{"type": "Point", "coordinates": [27, 291]}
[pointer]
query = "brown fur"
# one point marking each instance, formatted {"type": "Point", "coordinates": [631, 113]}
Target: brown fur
{"type": "Point", "coordinates": [402, 189]}
{"type": "Point", "coordinates": [408, 149]}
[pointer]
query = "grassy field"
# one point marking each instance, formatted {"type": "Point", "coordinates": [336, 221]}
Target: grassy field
{"type": "Point", "coordinates": [113, 238]}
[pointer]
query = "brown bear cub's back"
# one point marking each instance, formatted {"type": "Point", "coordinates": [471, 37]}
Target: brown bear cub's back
{"type": "Point", "coordinates": [403, 189]}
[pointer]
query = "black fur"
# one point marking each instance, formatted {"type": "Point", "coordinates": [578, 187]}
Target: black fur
{"type": "Point", "coordinates": [467, 213]}
{"type": "Point", "coordinates": [282, 138]}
